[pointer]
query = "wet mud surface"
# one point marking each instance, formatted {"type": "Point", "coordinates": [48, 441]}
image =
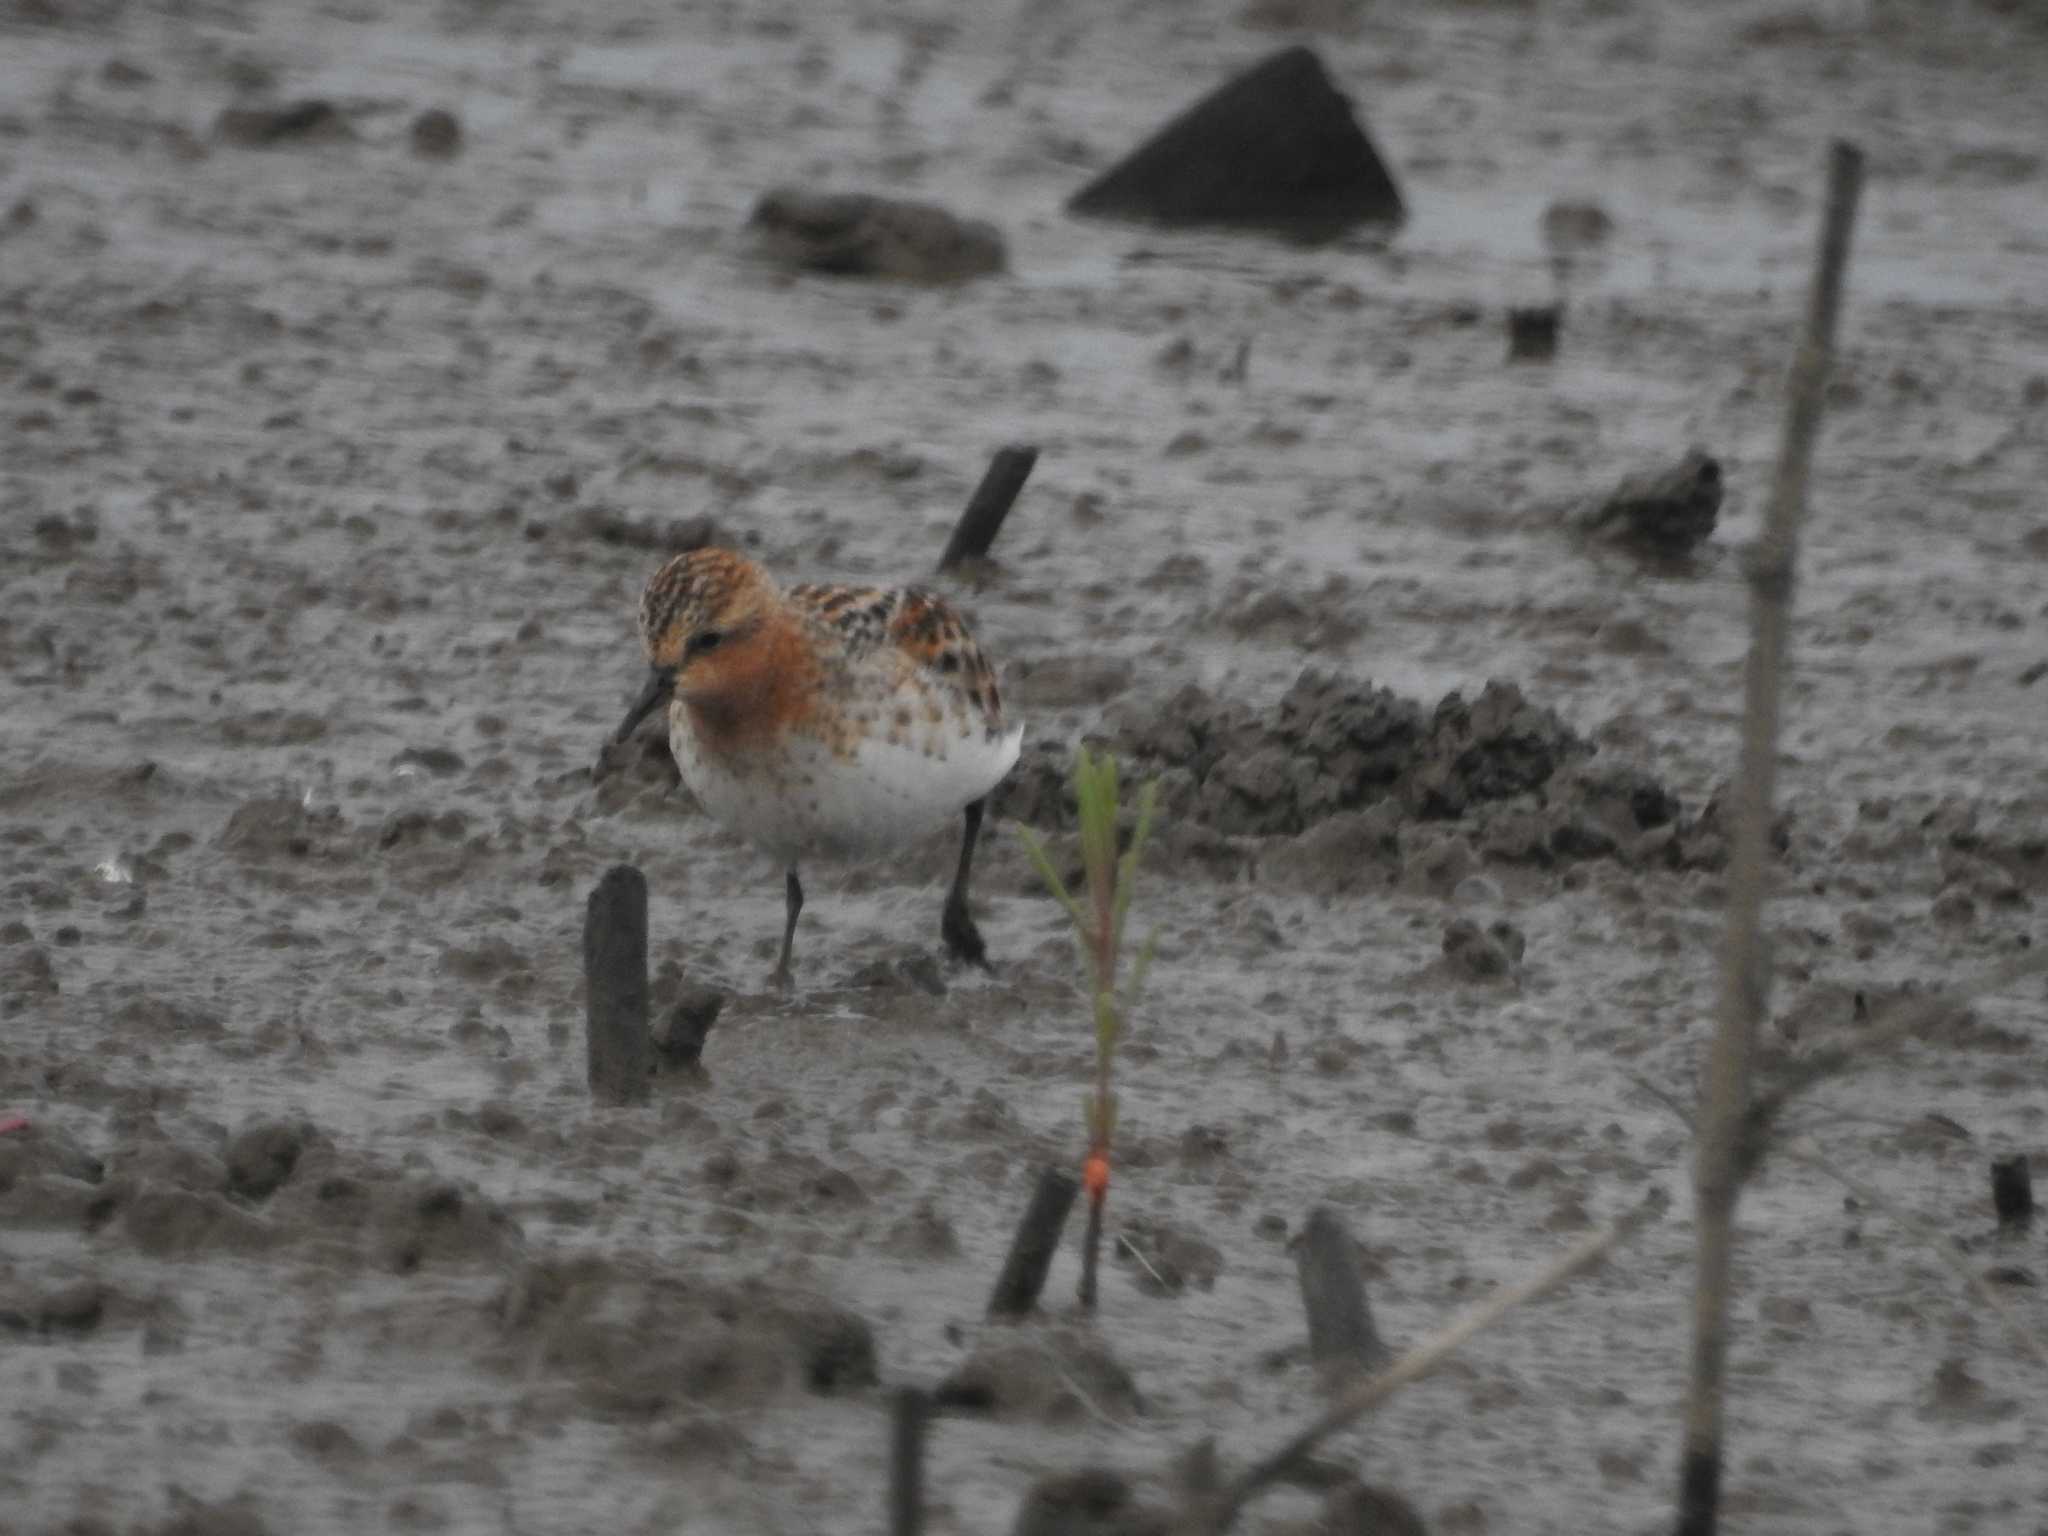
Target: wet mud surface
{"type": "Point", "coordinates": [357, 364]}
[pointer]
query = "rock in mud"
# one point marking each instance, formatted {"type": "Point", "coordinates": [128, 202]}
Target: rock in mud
{"type": "Point", "coordinates": [436, 134]}
{"type": "Point", "coordinates": [1278, 148]}
{"type": "Point", "coordinates": [275, 825]}
{"type": "Point", "coordinates": [1052, 1374]}
{"type": "Point", "coordinates": [684, 1025]}
{"type": "Point", "coordinates": [1665, 513]}
{"type": "Point", "coordinates": [857, 234]}
{"type": "Point", "coordinates": [296, 122]}
{"type": "Point", "coordinates": [1483, 954]}
{"type": "Point", "coordinates": [261, 1156]}
{"type": "Point", "coordinates": [1096, 1501]}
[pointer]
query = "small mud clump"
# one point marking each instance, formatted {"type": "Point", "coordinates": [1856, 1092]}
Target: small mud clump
{"type": "Point", "coordinates": [436, 134]}
{"type": "Point", "coordinates": [1094, 1501]}
{"type": "Point", "coordinates": [261, 1157]}
{"type": "Point", "coordinates": [637, 1342]}
{"type": "Point", "coordinates": [1483, 954]}
{"type": "Point", "coordinates": [1051, 1375]}
{"type": "Point", "coordinates": [854, 234]}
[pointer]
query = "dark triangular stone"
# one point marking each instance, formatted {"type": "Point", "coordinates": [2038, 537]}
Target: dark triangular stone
{"type": "Point", "coordinates": [1275, 148]}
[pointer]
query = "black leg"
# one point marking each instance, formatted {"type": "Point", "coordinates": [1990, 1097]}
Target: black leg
{"type": "Point", "coordinates": [793, 901]}
{"type": "Point", "coordinates": [963, 939]}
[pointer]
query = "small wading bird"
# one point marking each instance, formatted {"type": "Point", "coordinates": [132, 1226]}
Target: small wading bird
{"type": "Point", "coordinates": [825, 720]}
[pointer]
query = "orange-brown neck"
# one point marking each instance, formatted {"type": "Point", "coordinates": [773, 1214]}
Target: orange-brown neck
{"type": "Point", "coordinates": [743, 696]}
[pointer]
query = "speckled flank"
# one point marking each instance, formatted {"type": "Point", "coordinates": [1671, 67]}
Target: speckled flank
{"type": "Point", "coordinates": [918, 626]}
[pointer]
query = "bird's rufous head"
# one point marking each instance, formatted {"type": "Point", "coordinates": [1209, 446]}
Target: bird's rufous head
{"type": "Point", "coordinates": [700, 617]}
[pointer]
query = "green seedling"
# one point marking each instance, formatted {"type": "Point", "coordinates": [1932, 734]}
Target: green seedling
{"type": "Point", "coordinates": [1098, 915]}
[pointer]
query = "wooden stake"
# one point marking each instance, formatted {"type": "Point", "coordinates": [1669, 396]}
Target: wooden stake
{"type": "Point", "coordinates": [1037, 1240]}
{"type": "Point", "coordinates": [1091, 1254]}
{"type": "Point", "coordinates": [1725, 1100]}
{"type": "Point", "coordinates": [2012, 1191]}
{"type": "Point", "coordinates": [615, 980]}
{"type": "Point", "coordinates": [910, 1412]}
{"type": "Point", "coordinates": [976, 531]}
{"type": "Point", "coordinates": [1341, 1336]}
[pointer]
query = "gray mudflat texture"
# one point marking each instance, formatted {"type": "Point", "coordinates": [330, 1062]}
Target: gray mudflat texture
{"type": "Point", "coordinates": [332, 473]}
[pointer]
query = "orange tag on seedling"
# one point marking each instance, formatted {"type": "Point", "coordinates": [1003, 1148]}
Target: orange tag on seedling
{"type": "Point", "coordinates": [1095, 1175]}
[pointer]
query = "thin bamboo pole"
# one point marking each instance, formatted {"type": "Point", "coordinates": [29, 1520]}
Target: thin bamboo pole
{"type": "Point", "coordinates": [1724, 1108]}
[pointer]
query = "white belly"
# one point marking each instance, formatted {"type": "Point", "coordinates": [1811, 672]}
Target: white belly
{"type": "Point", "coordinates": [803, 800]}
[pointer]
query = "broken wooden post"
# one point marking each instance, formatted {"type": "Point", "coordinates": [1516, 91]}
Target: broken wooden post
{"type": "Point", "coordinates": [1037, 1240]}
{"type": "Point", "coordinates": [1532, 333]}
{"type": "Point", "coordinates": [2012, 1190]}
{"type": "Point", "coordinates": [615, 982]}
{"type": "Point", "coordinates": [1341, 1337]}
{"type": "Point", "coordinates": [1091, 1252]}
{"type": "Point", "coordinates": [910, 1411]}
{"type": "Point", "coordinates": [976, 531]}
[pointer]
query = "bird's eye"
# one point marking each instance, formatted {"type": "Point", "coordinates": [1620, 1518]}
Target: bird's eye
{"type": "Point", "coordinates": [705, 640]}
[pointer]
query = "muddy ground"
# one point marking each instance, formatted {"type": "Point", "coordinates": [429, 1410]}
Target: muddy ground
{"type": "Point", "coordinates": [334, 462]}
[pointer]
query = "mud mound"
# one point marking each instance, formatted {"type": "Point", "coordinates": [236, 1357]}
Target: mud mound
{"type": "Point", "coordinates": [272, 1186]}
{"type": "Point", "coordinates": [1052, 1374]}
{"type": "Point", "coordinates": [1358, 777]}
{"type": "Point", "coordinates": [637, 1344]}
{"type": "Point", "coordinates": [1096, 1501]}
{"type": "Point", "coordinates": [1333, 746]}
{"type": "Point", "coordinates": [1329, 747]}
{"type": "Point", "coordinates": [280, 826]}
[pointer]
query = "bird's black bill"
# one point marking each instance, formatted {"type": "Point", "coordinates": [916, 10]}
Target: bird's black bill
{"type": "Point", "coordinates": [660, 685]}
